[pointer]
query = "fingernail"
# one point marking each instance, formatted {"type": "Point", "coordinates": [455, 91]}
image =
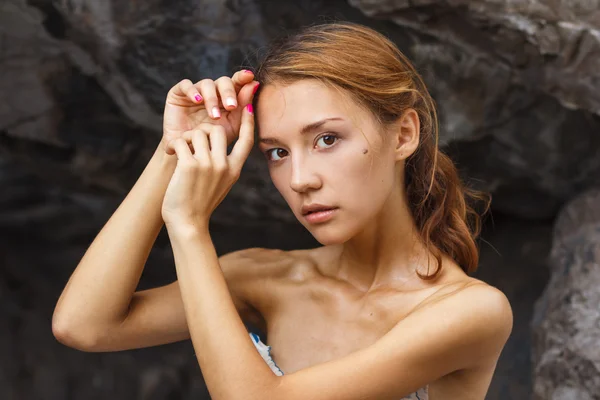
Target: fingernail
{"type": "Point", "coordinates": [255, 88]}
{"type": "Point", "coordinates": [247, 71]}
{"type": "Point", "coordinates": [198, 98]}
{"type": "Point", "coordinates": [215, 112]}
{"type": "Point", "coordinates": [250, 109]}
{"type": "Point", "coordinates": [230, 102]}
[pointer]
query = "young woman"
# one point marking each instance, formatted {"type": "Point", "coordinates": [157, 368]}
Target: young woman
{"type": "Point", "coordinates": [385, 309]}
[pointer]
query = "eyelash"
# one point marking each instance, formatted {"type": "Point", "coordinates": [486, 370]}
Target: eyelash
{"type": "Point", "coordinates": [328, 134]}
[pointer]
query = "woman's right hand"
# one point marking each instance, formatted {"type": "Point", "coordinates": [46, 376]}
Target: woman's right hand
{"type": "Point", "coordinates": [192, 106]}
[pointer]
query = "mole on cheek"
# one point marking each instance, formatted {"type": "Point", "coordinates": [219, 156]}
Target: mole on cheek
{"type": "Point", "coordinates": [365, 151]}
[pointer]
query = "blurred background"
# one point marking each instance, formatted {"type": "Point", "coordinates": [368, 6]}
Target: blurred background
{"type": "Point", "coordinates": [82, 88]}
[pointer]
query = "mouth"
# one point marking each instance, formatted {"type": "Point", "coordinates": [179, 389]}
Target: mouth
{"type": "Point", "coordinates": [318, 214]}
{"type": "Point", "coordinates": [316, 208]}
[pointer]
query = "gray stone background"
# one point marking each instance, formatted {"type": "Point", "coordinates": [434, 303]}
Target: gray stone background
{"type": "Point", "coordinates": [82, 85]}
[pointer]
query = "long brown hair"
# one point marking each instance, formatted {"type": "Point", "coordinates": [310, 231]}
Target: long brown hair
{"type": "Point", "coordinates": [368, 65]}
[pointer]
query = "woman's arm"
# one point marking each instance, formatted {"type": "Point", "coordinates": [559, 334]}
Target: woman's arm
{"type": "Point", "coordinates": [98, 309]}
{"type": "Point", "coordinates": [99, 292]}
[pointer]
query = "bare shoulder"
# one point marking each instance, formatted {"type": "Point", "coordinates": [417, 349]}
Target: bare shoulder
{"type": "Point", "coordinates": [485, 316]}
{"type": "Point", "coordinates": [255, 276]}
{"type": "Point", "coordinates": [489, 305]}
{"type": "Point", "coordinates": [250, 273]}
{"type": "Point", "coordinates": [262, 263]}
{"type": "Point", "coordinates": [255, 262]}
{"type": "Point", "coordinates": [470, 312]}
{"type": "Point", "coordinates": [479, 299]}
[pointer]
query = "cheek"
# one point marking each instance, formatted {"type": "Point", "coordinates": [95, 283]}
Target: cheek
{"type": "Point", "coordinates": [361, 169]}
{"type": "Point", "coordinates": [276, 178]}
{"type": "Point", "coordinates": [367, 179]}
{"type": "Point", "coordinates": [281, 182]}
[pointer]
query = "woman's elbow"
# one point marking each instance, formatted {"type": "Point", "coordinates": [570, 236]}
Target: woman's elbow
{"type": "Point", "coordinates": [73, 337]}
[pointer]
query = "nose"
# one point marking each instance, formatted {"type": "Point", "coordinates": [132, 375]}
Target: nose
{"type": "Point", "coordinates": [304, 176]}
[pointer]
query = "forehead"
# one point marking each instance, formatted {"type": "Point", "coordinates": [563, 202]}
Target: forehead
{"type": "Point", "coordinates": [287, 108]}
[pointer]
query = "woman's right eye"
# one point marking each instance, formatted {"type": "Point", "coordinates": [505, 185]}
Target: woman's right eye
{"type": "Point", "coordinates": [276, 154]}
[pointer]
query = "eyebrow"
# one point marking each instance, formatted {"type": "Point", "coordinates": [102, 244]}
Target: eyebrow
{"type": "Point", "coordinates": [306, 129]}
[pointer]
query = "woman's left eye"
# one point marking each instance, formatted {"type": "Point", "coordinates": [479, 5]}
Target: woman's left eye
{"type": "Point", "coordinates": [327, 140]}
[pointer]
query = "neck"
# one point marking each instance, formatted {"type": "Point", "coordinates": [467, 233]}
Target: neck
{"type": "Point", "coordinates": [388, 252]}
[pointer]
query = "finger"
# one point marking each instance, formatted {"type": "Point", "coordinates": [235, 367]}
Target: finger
{"type": "Point", "coordinates": [169, 146]}
{"type": "Point", "coordinates": [247, 93]}
{"type": "Point", "coordinates": [201, 146]}
{"type": "Point", "coordinates": [245, 97]}
{"type": "Point", "coordinates": [245, 141]}
{"type": "Point", "coordinates": [186, 89]}
{"type": "Point", "coordinates": [241, 78]}
{"type": "Point", "coordinates": [170, 150]}
{"type": "Point", "coordinates": [187, 135]}
{"type": "Point", "coordinates": [218, 147]}
{"type": "Point", "coordinates": [182, 150]}
{"type": "Point", "coordinates": [208, 90]}
{"type": "Point", "coordinates": [227, 92]}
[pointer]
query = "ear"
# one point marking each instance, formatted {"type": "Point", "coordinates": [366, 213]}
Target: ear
{"type": "Point", "coordinates": [406, 134]}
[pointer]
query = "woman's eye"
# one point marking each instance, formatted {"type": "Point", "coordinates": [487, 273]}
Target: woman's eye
{"type": "Point", "coordinates": [327, 140]}
{"type": "Point", "coordinates": [276, 154]}
{"type": "Point", "coordinates": [324, 141]}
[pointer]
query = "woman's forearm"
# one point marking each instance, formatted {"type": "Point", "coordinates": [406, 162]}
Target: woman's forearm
{"type": "Point", "coordinates": [99, 291]}
{"type": "Point", "coordinates": [231, 366]}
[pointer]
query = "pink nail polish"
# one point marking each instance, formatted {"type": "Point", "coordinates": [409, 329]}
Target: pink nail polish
{"type": "Point", "coordinates": [255, 88]}
{"type": "Point", "coordinates": [247, 71]}
{"type": "Point", "coordinates": [198, 98]}
{"type": "Point", "coordinates": [230, 102]}
{"type": "Point", "coordinates": [250, 108]}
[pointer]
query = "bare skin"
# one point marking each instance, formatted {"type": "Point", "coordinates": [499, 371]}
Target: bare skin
{"type": "Point", "coordinates": [311, 316]}
{"type": "Point", "coordinates": [315, 305]}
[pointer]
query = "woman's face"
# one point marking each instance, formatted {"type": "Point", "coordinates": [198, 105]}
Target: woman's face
{"type": "Point", "coordinates": [324, 150]}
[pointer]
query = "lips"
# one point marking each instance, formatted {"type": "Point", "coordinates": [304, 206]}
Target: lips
{"type": "Point", "coordinates": [319, 215]}
{"type": "Point", "coordinates": [313, 208]}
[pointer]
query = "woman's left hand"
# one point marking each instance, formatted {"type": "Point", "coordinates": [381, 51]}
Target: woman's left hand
{"type": "Point", "coordinates": [205, 173]}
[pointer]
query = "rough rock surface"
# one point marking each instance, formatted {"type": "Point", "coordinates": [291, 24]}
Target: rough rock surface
{"type": "Point", "coordinates": [518, 87]}
{"type": "Point", "coordinates": [566, 322]}
{"type": "Point", "coordinates": [552, 46]}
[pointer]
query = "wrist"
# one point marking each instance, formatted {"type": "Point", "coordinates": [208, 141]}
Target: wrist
{"type": "Point", "coordinates": [161, 151]}
{"type": "Point", "coordinates": [187, 228]}
{"type": "Point", "coordinates": [160, 157]}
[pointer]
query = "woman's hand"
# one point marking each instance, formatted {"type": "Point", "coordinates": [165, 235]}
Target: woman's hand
{"type": "Point", "coordinates": [203, 178]}
{"type": "Point", "coordinates": [189, 106]}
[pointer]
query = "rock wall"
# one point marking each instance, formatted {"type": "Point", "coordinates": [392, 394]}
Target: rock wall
{"type": "Point", "coordinates": [566, 323]}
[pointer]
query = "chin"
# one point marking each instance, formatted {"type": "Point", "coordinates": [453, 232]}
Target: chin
{"type": "Point", "coordinates": [330, 234]}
